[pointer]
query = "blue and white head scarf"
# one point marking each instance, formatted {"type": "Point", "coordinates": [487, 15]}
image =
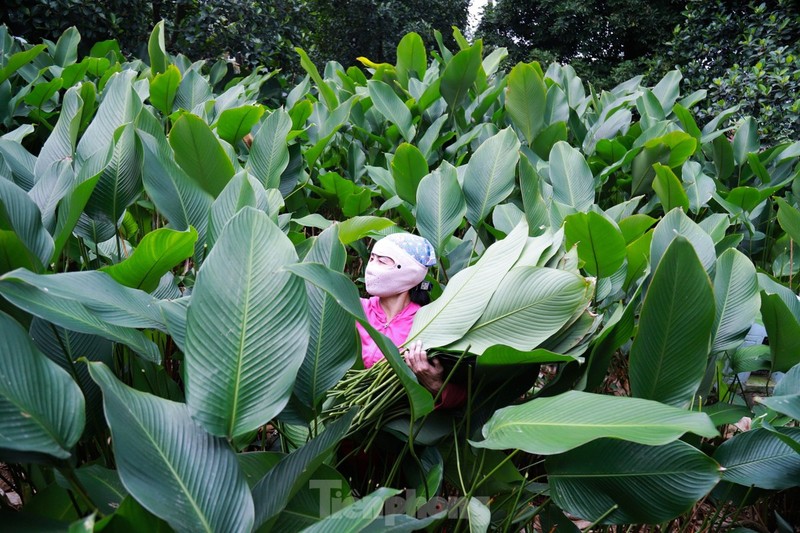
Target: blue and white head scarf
{"type": "Point", "coordinates": [417, 247]}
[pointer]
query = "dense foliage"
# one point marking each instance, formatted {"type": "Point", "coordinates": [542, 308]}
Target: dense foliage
{"type": "Point", "coordinates": [605, 41]}
{"type": "Point", "coordinates": [173, 291]}
{"type": "Point", "coordinates": [744, 55]}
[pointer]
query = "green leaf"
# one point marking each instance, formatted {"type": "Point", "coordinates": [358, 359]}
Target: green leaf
{"type": "Point", "coordinates": [235, 123]}
{"type": "Point", "coordinates": [759, 458]}
{"type": "Point", "coordinates": [342, 289]}
{"type": "Point", "coordinates": [411, 58]}
{"type": "Point", "coordinates": [391, 107]}
{"type": "Point", "coordinates": [648, 484]}
{"type": "Point", "coordinates": [157, 253]}
{"type": "Point", "coordinates": [19, 60]}
{"type": "Point", "coordinates": [42, 92]}
{"type": "Point", "coordinates": [164, 88]}
{"type": "Point", "coordinates": [286, 478]}
{"type": "Point", "coordinates": [42, 407]}
{"type": "Point", "coordinates": [783, 330]}
{"type": "Point", "coordinates": [269, 155]}
{"type": "Point", "coordinates": [547, 426]}
{"type": "Point", "coordinates": [200, 154]}
{"type": "Point", "coordinates": [169, 464]}
{"type": "Point", "coordinates": [669, 354]}
{"type": "Point", "coordinates": [786, 396]}
{"type": "Point", "coordinates": [331, 102]}
{"type": "Point", "coordinates": [526, 96]}
{"type": "Point", "coordinates": [789, 219]}
{"type": "Point", "coordinates": [440, 206]}
{"type": "Point", "coordinates": [669, 189]}
{"type": "Point", "coordinates": [745, 141]}
{"type": "Point", "coordinates": [121, 104]}
{"type": "Point", "coordinates": [157, 49]}
{"type": "Point", "coordinates": [356, 516]}
{"type": "Point", "coordinates": [459, 75]}
{"type": "Point", "coordinates": [601, 245]}
{"type": "Point", "coordinates": [176, 196]}
{"type": "Point", "coordinates": [675, 224]}
{"type": "Point", "coordinates": [536, 212]}
{"type": "Point", "coordinates": [59, 146]}
{"type": "Point", "coordinates": [102, 484]}
{"type": "Point", "coordinates": [193, 91]}
{"type": "Point", "coordinates": [489, 177]}
{"type": "Point", "coordinates": [19, 213]}
{"type": "Point", "coordinates": [408, 169]}
{"type": "Point", "coordinates": [120, 181]}
{"type": "Point", "coordinates": [332, 347]}
{"type": "Point", "coordinates": [737, 300]}
{"type": "Point", "coordinates": [69, 212]}
{"type": "Point", "coordinates": [463, 301]}
{"type": "Point", "coordinates": [356, 228]}
{"type": "Point", "coordinates": [479, 516]}
{"type": "Point", "coordinates": [572, 180]}
{"type": "Point", "coordinates": [529, 305]}
{"type": "Point", "coordinates": [247, 328]}
{"type": "Point", "coordinates": [243, 190]}
{"type": "Point", "coordinates": [635, 226]}
{"type": "Point", "coordinates": [87, 302]}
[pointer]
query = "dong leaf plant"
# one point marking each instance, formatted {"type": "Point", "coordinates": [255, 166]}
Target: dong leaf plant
{"type": "Point", "coordinates": [180, 270]}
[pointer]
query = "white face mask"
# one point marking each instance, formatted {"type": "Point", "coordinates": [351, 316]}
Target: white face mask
{"type": "Point", "coordinates": [403, 274]}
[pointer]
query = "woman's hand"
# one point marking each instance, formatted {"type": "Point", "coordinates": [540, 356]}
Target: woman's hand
{"type": "Point", "coordinates": [429, 372]}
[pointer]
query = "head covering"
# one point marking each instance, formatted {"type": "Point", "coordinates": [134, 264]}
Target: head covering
{"type": "Point", "coordinates": [412, 255]}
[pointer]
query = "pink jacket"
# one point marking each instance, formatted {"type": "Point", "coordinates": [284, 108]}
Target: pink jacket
{"type": "Point", "coordinates": [397, 330]}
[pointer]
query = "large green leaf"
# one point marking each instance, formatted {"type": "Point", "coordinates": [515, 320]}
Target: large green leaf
{"type": "Point", "coordinates": [53, 185]}
{"type": "Point", "coordinates": [670, 352]}
{"type": "Point", "coordinates": [648, 484]}
{"type": "Point", "coordinates": [547, 426]}
{"type": "Point", "coordinates": [69, 212]}
{"type": "Point", "coordinates": [783, 330]}
{"type": "Point", "coordinates": [489, 177]}
{"type": "Point", "coordinates": [530, 188]}
{"type": "Point", "coordinates": [412, 58]}
{"type": "Point", "coordinates": [408, 169]}
{"type": "Point", "coordinates": [269, 155]}
{"type": "Point", "coordinates": [391, 107]}
{"type": "Point", "coordinates": [356, 228]}
{"type": "Point", "coordinates": [169, 464]}
{"type": "Point", "coordinates": [464, 299]}
{"type": "Point", "coordinates": [176, 196]}
{"type": "Point", "coordinates": [440, 206]}
{"type": "Point", "coordinates": [193, 91]}
{"type": "Point", "coordinates": [120, 181]}
{"type": "Point", "coordinates": [247, 328]}
{"type": "Point", "coordinates": [276, 488]}
{"type": "Point", "coordinates": [41, 407]}
{"type": "Point", "coordinates": [200, 154]}
{"type": "Point", "coordinates": [164, 88]}
{"type": "Point", "coordinates": [669, 189]}
{"type": "Point", "coordinates": [60, 143]}
{"type": "Point", "coordinates": [157, 253]}
{"type": "Point", "coordinates": [236, 122]}
{"type": "Point", "coordinates": [572, 180]}
{"type": "Point", "coordinates": [529, 305]}
{"type": "Point", "coordinates": [157, 49]}
{"type": "Point", "coordinates": [459, 75]}
{"type": "Point", "coordinates": [789, 219]}
{"type": "Point", "coordinates": [332, 346]}
{"type": "Point", "coordinates": [243, 190]}
{"type": "Point", "coordinates": [675, 224]}
{"type": "Point", "coordinates": [601, 245]}
{"type": "Point", "coordinates": [344, 292]}
{"type": "Point", "coordinates": [19, 60]}
{"type": "Point", "coordinates": [19, 213]}
{"type": "Point", "coordinates": [526, 96]}
{"type": "Point", "coordinates": [356, 516]}
{"type": "Point", "coordinates": [745, 141]}
{"type": "Point", "coordinates": [87, 302]}
{"type": "Point", "coordinates": [760, 458]}
{"type": "Point", "coordinates": [786, 396]}
{"type": "Point", "coordinates": [121, 104]}
{"type": "Point", "coordinates": [328, 95]}
{"type": "Point", "coordinates": [737, 298]}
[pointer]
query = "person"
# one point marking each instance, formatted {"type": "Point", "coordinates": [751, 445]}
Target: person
{"type": "Point", "coordinates": [393, 277]}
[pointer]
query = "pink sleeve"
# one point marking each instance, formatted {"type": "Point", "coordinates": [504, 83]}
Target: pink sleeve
{"type": "Point", "coordinates": [452, 396]}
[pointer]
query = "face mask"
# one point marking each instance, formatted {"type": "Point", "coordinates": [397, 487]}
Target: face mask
{"type": "Point", "coordinates": [387, 280]}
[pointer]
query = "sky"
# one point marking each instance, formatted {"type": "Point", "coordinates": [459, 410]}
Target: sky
{"type": "Point", "coordinates": [475, 8]}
